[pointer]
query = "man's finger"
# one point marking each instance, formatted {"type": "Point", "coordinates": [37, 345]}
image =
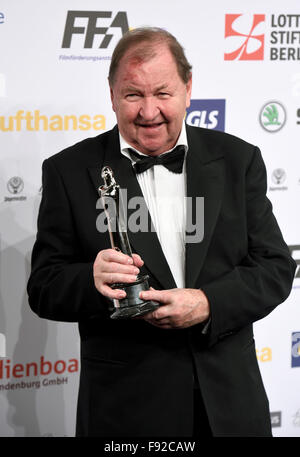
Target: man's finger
{"type": "Point", "coordinates": [114, 267]}
{"type": "Point", "coordinates": [161, 296]}
{"type": "Point", "coordinates": [137, 260]}
{"type": "Point", "coordinates": [113, 278]}
{"type": "Point", "coordinates": [116, 294]}
{"type": "Point", "coordinates": [112, 255]}
{"type": "Point", "coordinates": [162, 312]}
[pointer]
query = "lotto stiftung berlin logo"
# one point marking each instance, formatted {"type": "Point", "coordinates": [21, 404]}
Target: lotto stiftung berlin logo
{"type": "Point", "coordinates": [244, 36]}
{"type": "Point", "coordinates": [296, 349]}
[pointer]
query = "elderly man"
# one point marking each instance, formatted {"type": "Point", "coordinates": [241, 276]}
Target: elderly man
{"type": "Point", "coordinates": [189, 367]}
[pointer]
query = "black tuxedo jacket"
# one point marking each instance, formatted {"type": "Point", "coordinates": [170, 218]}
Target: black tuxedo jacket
{"type": "Point", "coordinates": [136, 379]}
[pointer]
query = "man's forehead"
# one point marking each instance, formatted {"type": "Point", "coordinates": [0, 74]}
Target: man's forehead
{"type": "Point", "coordinates": [131, 86]}
{"type": "Point", "coordinates": [145, 52]}
{"type": "Point", "coordinates": [139, 78]}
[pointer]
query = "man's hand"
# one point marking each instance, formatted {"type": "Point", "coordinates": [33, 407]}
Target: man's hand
{"type": "Point", "coordinates": [181, 308]}
{"type": "Point", "coordinates": [111, 267]}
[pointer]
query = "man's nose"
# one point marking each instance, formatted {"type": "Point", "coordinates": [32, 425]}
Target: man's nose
{"type": "Point", "coordinates": [149, 108]}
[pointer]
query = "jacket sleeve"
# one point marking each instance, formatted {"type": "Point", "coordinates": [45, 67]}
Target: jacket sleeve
{"type": "Point", "coordinates": [61, 287]}
{"type": "Point", "coordinates": [263, 279]}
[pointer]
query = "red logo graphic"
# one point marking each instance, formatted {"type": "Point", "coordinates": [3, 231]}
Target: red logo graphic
{"type": "Point", "coordinates": [244, 37]}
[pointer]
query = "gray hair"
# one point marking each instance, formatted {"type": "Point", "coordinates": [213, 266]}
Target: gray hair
{"type": "Point", "coordinates": [142, 39]}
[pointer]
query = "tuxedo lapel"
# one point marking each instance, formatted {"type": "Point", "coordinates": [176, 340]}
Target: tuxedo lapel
{"type": "Point", "coordinates": [205, 178]}
{"type": "Point", "coordinates": [146, 244]}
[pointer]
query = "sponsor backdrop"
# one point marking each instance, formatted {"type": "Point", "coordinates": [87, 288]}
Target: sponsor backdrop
{"type": "Point", "coordinates": [54, 92]}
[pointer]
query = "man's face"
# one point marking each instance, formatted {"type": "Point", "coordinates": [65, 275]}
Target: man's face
{"type": "Point", "coordinates": [150, 99]}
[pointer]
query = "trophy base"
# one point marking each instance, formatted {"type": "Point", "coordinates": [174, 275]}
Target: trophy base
{"type": "Point", "coordinates": [133, 305]}
{"type": "Point", "coordinates": [134, 311]}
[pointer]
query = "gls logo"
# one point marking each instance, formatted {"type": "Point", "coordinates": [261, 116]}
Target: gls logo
{"type": "Point", "coordinates": [91, 29]}
{"type": "Point", "coordinates": [208, 114]}
{"type": "Point", "coordinates": [244, 37]}
{"type": "Point", "coordinates": [296, 349]}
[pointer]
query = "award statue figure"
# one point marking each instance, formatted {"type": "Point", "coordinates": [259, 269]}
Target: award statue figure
{"type": "Point", "coordinates": [131, 305]}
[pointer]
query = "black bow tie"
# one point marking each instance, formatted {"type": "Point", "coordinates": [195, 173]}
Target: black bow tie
{"type": "Point", "coordinates": [173, 160]}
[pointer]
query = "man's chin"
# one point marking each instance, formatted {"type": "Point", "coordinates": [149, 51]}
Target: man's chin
{"type": "Point", "coordinates": [153, 146]}
{"type": "Point", "coordinates": [152, 149]}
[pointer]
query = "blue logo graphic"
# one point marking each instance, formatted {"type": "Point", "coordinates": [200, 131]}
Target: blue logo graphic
{"type": "Point", "coordinates": [209, 114]}
{"type": "Point", "coordinates": [296, 349]}
{"type": "Point", "coordinates": [1, 18]}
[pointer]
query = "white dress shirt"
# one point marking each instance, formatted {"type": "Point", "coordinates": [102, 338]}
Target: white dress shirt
{"type": "Point", "coordinates": [164, 193]}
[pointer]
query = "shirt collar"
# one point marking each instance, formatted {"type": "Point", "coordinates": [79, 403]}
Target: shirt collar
{"type": "Point", "coordinates": [124, 146]}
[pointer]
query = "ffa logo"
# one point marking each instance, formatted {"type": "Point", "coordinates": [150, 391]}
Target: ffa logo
{"type": "Point", "coordinates": [89, 27]}
{"type": "Point", "coordinates": [244, 37]}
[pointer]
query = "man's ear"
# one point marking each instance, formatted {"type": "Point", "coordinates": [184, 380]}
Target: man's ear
{"type": "Point", "coordinates": [112, 97]}
{"type": "Point", "coordinates": [188, 91]}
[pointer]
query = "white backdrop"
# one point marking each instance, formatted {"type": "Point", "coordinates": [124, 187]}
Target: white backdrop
{"type": "Point", "coordinates": [244, 56]}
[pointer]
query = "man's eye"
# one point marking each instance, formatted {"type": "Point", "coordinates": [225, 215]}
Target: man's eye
{"type": "Point", "coordinates": [132, 96]}
{"type": "Point", "coordinates": [163, 94]}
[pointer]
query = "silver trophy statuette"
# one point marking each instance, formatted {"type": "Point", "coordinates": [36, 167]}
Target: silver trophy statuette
{"type": "Point", "coordinates": [131, 305]}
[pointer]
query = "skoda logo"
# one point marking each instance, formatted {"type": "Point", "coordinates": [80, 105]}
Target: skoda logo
{"type": "Point", "coordinates": [15, 185]}
{"type": "Point", "coordinates": [272, 116]}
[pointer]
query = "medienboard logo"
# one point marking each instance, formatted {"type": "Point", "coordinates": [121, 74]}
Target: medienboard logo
{"type": "Point", "coordinates": [19, 376]}
{"type": "Point", "coordinates": [244, 36]}
{"type": "Point", "coordinates": [295, 349]}
{"type": "Point", "coordinates": [208, 114]}
{"type": "Point", "coordinates": [92, 24]}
